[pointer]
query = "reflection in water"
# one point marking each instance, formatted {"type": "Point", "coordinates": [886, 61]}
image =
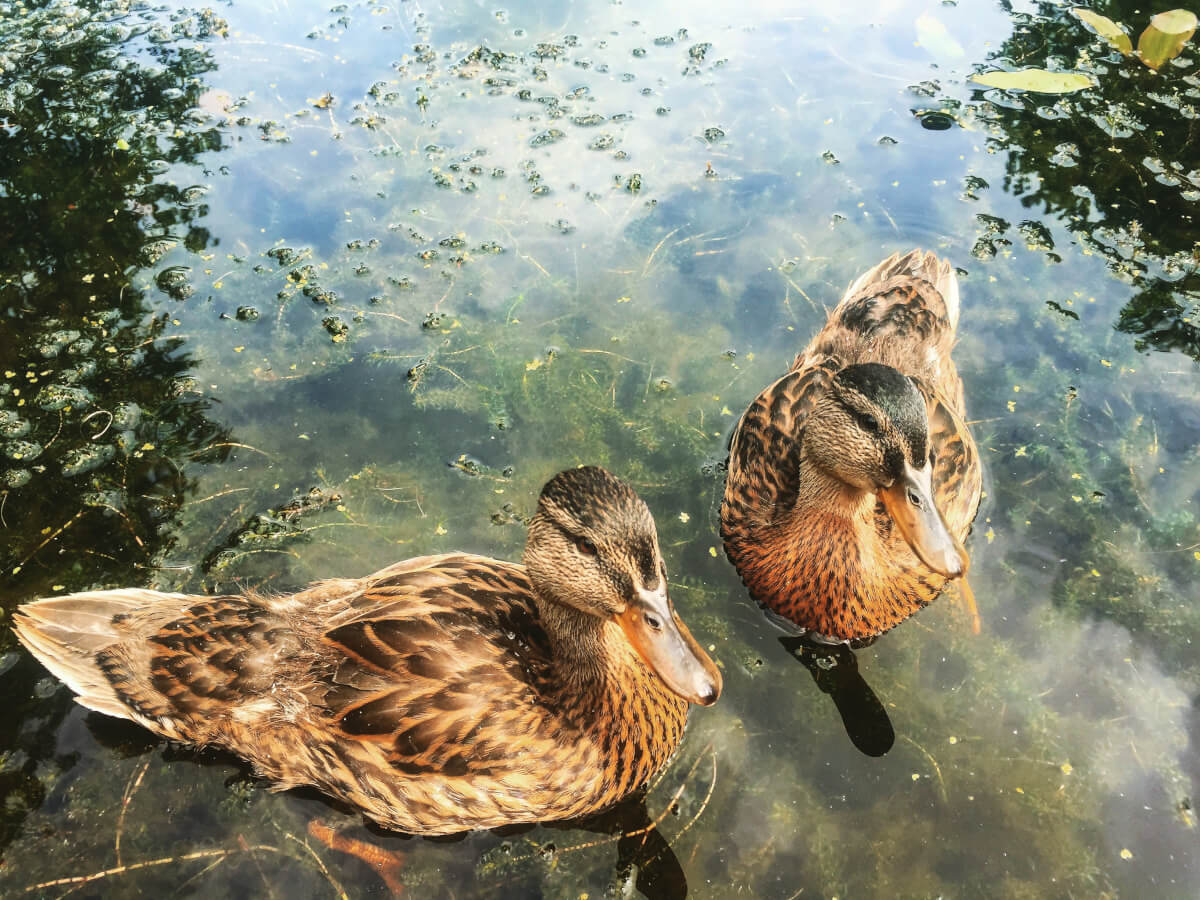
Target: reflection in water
{"type": "Point", "coordinates": [834, 667]}
{"type": "Point", "coordinates": [98, 413]}
{"type": "Point", "coordinates": [1109, 162]}
{"type": "Point", "coordinates": [641, 848]}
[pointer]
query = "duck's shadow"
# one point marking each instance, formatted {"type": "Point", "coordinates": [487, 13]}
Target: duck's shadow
{"type": "Point", "coordinates": [834, 667]}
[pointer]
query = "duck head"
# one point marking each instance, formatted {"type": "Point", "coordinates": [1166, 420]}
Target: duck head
{"type": "Point", "coordinates": [871, 432]}
{"type": "Point", "coordinates": [593, 548]}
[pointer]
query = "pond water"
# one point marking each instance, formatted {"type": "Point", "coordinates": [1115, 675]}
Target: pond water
{"type": "Point", "coordinates": [291, 290]}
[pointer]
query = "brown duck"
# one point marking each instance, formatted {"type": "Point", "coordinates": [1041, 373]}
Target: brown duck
{"type": "Point", "coordinates": [853, 479]}
{"type": "Point", "coordinates": [441, 694]}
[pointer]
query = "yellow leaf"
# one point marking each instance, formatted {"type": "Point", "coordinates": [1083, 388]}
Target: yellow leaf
{"type": "Point", "coordinates": [1039, 81]}
{"type": "Point", "coordinates": [1106, 28]}
{"type": "Point", "coordinates": [1163, 40]}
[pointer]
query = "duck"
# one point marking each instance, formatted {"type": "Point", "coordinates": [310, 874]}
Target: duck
{"type": "Point", "coordinates": [853, 479]}
{"type": "Point", "coordinates": [439, 695]}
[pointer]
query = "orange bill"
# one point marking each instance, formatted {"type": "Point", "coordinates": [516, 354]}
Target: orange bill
{"type": "Point", "coordinates": [664, 642]}
{"type": "Point", "coordinates": [909, 501]}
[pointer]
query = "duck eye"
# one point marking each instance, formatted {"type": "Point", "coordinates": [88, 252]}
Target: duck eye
{"type": "Point", "coordinates": [584, 546]}
{"type": "Point", "coordinates": [869, 423]}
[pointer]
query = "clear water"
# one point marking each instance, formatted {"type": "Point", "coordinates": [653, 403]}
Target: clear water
{"type": "Point", "coordinates": [290, 291]}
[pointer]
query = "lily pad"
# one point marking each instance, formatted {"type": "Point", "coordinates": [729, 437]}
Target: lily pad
{"type": "Point", "coordinates": [1165, 37]}
{"type": "Point", "coordinates": [1106, 28]}
{"type": "Point", "coordinates": [1039, 81]}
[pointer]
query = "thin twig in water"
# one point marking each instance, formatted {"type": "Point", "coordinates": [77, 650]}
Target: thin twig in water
{"type": "Point", "coordinates": [341, 891]}
{"type": "Point", "coordinates": [933, 762]}
{"type": "Point", "coordinates": [107, 425]}
{"type": "Point", "coordinates": [75, 518]}
{"type": "Point", "coordinates": [658, 246]}
{"type": "Point", "coordinates": [131, 788]}
{"type": "Point", "coordinates": [215, 496]}
{"type": "Point", "coordinates": [230, 444]}
{"type": "Point", "coordinates": [61, 418]}
{"type": "Point", "coordinates": [145, 864]}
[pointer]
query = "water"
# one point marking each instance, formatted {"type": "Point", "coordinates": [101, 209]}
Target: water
{"type": "Point", "coordinates": [292, 291]}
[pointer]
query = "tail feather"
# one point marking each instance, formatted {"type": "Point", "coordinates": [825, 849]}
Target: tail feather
{"type": "Point", "coordinates": [922, 264]}
{"type": "Point", "coordinates": [67, 633]}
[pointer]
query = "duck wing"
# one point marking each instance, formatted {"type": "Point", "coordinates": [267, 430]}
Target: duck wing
{"type": "Point", "coordinates": [957, 480]}
{"type": "Point", "coordinates": [902, 313]}
{"type": "Point", "coordinates": [441, 662]}
{"type": "Point", "coordinates": [764, 452]}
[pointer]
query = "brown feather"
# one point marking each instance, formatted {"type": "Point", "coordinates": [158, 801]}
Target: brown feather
{"type": "Point", "coordinates": [436, 695]}
{"type": "Point", "coordinates": [844, 576]}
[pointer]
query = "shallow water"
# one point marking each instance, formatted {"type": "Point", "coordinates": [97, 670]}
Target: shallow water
{"type": "Point", "coordinates": [291, 291]}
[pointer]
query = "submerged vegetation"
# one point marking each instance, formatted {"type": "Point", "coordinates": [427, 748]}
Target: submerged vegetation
{"type": "Point", "coordinates": [298, 294]}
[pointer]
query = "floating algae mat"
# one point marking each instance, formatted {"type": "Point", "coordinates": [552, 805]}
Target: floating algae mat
{"type": "Point", "coordinates": [291, 291]}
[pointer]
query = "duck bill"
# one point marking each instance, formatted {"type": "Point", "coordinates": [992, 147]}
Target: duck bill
{"type": "Point", "coordinates": [909, 501]}
{"type": "Point", "coordinates": [664, 642]}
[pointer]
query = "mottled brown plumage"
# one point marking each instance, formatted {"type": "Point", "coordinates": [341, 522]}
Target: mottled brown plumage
{"type": "Point", "coordinates": [817, 454]}
{"type": "Point", "coordinates": [440, 694]}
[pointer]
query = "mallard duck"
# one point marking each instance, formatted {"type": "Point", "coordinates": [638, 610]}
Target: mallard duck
{"type": "Point", "coordinates": [441, 694]}
{"type": "Point", "coordinates": [853, 479]}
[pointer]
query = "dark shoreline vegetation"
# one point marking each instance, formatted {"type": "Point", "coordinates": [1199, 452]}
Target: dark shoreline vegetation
{"type": "Point", "coordinates": [288, 294]}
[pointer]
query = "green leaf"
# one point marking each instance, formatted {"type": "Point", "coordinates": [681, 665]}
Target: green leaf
{"type": "Point", "coordinates": [1106, 28]}
{"type": "Point", "coordinates": [1163, 40]}
{"type": "Point", "coordinates": [1037, 80]}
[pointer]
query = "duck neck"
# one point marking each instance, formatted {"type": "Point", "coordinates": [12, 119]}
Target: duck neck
{"type": "Point", "coordinates": [824, 496]}
{"type": "Point", "coordinates": [581, 643]}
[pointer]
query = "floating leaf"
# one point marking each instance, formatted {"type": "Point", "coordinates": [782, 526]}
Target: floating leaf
{"type": "Point", "coordinates": [1037, 80]}
{"type": "Point", "coordinates": [1163, 40]}
{"type": "Point", "coordinates": [1106, 28]}
{"type": "Point", "coordinates": [936, 38]}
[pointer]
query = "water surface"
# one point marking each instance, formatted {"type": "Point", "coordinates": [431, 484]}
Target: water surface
{"type": "Point", "coordinates": [292, 291]}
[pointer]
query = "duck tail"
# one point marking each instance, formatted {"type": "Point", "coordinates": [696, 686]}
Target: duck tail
{"type": "Point", "coordinates": [921, 264]}
{"type": "Point", "coordinates": [74, 636]}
